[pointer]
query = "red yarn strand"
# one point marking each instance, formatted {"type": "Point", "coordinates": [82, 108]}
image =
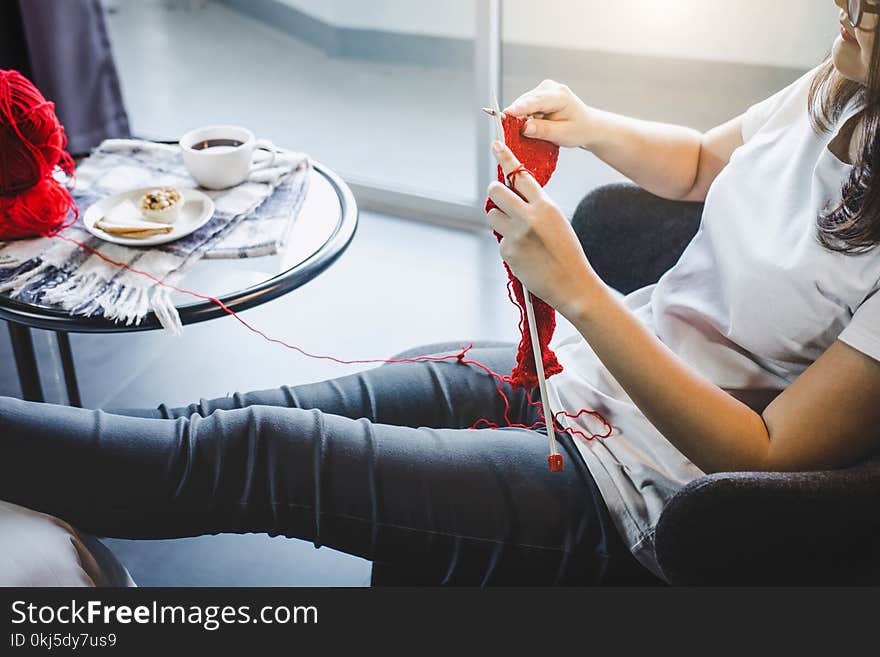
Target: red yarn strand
{"type": "Point", "coordinates": [35, 203]}
{"type": "Point", "coordinates": [459, 356]}
{"type": "Point", "coordinates": [511, 177]}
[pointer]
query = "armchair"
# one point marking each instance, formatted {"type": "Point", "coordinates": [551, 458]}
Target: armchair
{"type": "Point", "coordinates": [801, 528]}
{"type": "Point", "coordinates": [745, 528]}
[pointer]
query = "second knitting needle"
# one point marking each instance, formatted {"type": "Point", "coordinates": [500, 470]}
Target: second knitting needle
{"type": "Point", "coordinates": [555, 459]}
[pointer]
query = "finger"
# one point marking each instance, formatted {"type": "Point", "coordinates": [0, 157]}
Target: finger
{"type": "Point", "coordinates": [543, 129]}
{"type": "Point", "coordinates": [504, 248]}
{"type": "Point", "coordinates": [508, 200]}
{"type": "Point", "coordinates": [535, 102]}
{"type": "Point", "coordinates": [523, 182]}
{"type": "Point", "coordinates": [498, 221]}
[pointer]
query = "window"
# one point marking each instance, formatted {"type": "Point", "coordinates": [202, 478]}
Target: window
{"type": "Point", "coordinates": [388, 92]}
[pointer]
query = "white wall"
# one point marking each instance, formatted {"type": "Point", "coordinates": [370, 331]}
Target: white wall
{"type": "Point", "coordinates": [452, 18]}
{"type": "Point", "coordinates": [795, 33]}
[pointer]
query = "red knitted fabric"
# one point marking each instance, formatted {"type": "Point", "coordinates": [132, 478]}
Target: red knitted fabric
{"type": "Point", "coordinates": [539, 157]}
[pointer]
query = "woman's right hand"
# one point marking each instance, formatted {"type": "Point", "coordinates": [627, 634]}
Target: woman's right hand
{"type": "Point", "coordinates": [557, 115]}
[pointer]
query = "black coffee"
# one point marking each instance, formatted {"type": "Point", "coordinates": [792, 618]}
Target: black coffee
{"type": "Point", "coordinates": [216, 143]}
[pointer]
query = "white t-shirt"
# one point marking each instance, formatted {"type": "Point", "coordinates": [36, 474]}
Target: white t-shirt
{"type": "Point", "coordinates": [752, 302]}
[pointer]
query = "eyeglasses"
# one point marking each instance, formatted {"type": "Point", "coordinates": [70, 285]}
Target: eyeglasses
{"type": "Point", "coordinates": [856, 10]}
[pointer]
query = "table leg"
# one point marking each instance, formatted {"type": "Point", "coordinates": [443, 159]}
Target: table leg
{"type": "Point", "coordinates": [69, 368]}
{"type": "Point", "coordinates": [26, 362]}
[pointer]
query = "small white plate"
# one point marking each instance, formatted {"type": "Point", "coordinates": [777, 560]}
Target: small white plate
{"type": "Point", "coordinates": [197, 209]}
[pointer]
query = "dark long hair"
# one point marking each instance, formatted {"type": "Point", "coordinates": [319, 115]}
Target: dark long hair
{"type": "Point", "coordinates": [853, 226]}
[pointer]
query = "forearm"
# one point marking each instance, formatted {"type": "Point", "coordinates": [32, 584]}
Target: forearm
{"type": "Point", "coordinates": [662, 158]}
{"type": "Point", "coordinates": [710, 427]}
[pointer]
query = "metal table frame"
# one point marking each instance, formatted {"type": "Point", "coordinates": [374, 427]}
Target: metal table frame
{"type": "Point", "coordinates": [22, 317]}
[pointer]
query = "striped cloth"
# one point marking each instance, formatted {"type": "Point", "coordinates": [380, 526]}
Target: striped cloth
{"type": "Point", "coordinates": [251, 219]}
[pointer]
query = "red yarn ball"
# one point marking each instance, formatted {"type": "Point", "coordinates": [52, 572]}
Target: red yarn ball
{"type": "Point", "coordinates": [39, 211]}
{"type": "Point", "coordinates": [32, 142]}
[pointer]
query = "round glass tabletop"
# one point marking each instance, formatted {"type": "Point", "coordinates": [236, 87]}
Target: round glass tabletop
{"type": "Point", "coordinates": [320, 234]}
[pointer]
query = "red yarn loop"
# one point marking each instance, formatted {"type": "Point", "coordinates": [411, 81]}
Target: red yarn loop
{"type": "Point", "coordinates": [33, 202]}
{"type": "Point", "coordinates": [522, 168]}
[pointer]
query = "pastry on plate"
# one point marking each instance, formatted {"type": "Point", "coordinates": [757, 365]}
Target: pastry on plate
{"type": "Point", "coordinates": [129, 230]}
{"type": "Point", "coordinates": [162, 204]}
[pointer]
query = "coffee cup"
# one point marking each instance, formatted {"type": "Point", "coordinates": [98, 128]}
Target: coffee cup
{"type": "Point", "coordinates": [221, 156]}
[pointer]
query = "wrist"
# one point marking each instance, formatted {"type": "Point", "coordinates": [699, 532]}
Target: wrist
{"type": "Point", "coordinates": [583, 304]}
{"type": "Point", "coordinates": [591, 131]}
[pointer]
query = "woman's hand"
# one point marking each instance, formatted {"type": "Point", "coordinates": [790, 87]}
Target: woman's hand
{"type": "Point", "coordinates": [559, 116]}
{"type": "Point", "coordinates": [538, 243]}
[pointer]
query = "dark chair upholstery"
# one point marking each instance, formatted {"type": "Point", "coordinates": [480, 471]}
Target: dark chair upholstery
{"type": "Point", "coordinates": [735, 528]}
{"type": "Point", "coordinates": [631, 236]}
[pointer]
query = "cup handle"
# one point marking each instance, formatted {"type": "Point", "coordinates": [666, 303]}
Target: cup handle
{"type": "Point", "coordinates": [265, 145]}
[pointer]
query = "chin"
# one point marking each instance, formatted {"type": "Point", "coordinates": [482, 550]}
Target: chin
{"type": "Point", "coordinates": [844, 64]}
{"type": "Point", "coordinates": [847, 62]}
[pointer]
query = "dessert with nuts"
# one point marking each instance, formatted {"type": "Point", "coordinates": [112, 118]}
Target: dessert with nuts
{"type": "Point", "coordinates": [162, 205]}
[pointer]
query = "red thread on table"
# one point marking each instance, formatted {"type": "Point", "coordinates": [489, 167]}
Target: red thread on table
{"type": "Point", "coordinates": [33, 203]}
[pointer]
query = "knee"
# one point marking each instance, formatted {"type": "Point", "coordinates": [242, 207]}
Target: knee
{"type": "Point", "coordinates": [443, 348]}
{"type": "Point", "coordinates": [263, 437]}
{"type": "Point", "coordinates": [423, 350]}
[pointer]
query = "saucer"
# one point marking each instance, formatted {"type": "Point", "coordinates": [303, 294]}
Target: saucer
{"type": "Point", "coordinates": [197, 209]}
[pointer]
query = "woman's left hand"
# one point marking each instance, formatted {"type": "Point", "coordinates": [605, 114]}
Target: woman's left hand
{"type": "Point", "coordinates": [538, 243]}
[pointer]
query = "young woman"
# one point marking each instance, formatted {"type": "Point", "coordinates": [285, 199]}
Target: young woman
{"type": "Point", "coordinates": [758, 350]}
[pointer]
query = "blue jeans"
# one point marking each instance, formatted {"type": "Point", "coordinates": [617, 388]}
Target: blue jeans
{"type": "Point", "coordinates": [378, 464]}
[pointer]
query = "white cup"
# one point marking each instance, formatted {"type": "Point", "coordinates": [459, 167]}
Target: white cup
{"type": "Point", "coordinates": [221, 156]}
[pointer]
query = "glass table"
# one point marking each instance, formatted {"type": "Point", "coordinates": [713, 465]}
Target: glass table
{"type": "Point", "coordinates": [321, 233]}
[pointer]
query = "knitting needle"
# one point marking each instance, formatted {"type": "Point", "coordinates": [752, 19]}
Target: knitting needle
{"type": "Point", "coordinates": [555, 458]}
{"type": "Point", "coordinates": [491, 112]}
